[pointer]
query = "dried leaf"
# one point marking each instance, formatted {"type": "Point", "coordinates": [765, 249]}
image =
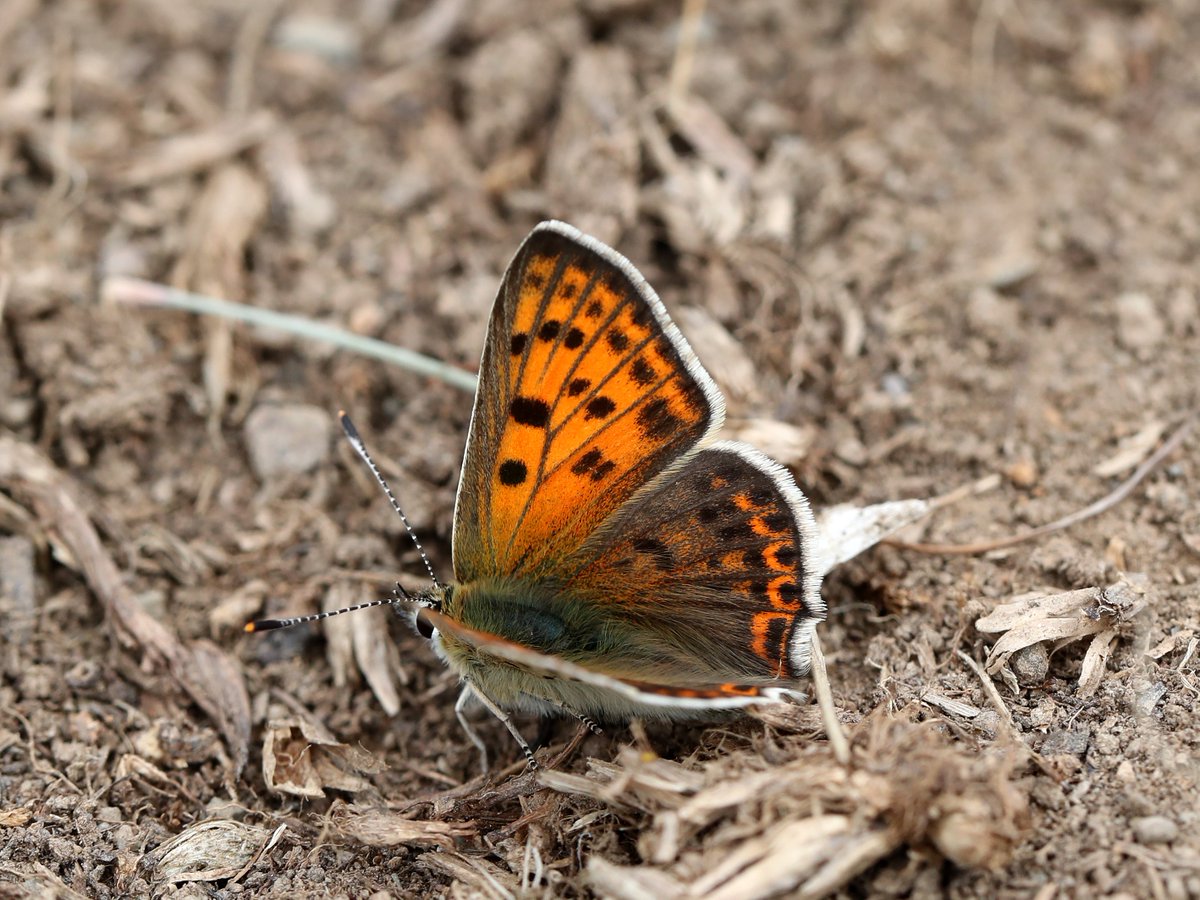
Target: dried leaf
{"type": "Point", "coordinates": [724, 356]}
{"type": "Point", "coordinates": [1094, 662]}
{"type": "Point", "coordinates": [188, 153]}
{"type": "Point", "coordinates": [1170, 643]}
{"type": "Point", "coordinates": [630, 882]}
{"type": "Point", "coordinates": [302, 758]}
{"type": "Point", "coordinates": [377, 657]}
{"type": "Point", "coordinates": [810, 826]}
{"type": "Point", "coordinates": [1062, 618]}
{"type": "Point", "coordinates": [782, 441]}
{"type": "Point", "coordinates": [1131, 451]}
{"type": "Point", "coordinates": [950, 705]}
{"type": "Point", "coordinates": [215, 682]}
{"type": "Point", "coordinates": [779, 861]}
{"type": "Point", "coordinates": [848, 530]}
{"type": "Point", "coordinates": [15, 817]}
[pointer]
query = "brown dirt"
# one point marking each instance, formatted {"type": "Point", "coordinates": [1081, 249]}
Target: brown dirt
{"type": "Point", "coordinates": [950, 240]}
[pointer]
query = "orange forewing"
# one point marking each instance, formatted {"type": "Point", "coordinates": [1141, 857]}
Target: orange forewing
{"type": "Point", "coordinates": [587, 392]}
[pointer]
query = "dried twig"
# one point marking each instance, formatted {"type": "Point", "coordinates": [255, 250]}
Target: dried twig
{"type": "Point", "coordinates": [989, 688]}
{"type": "Point", "coordinates": [249, 40]}
{"type": "Point", "coordinates": [187, 153]}
{"type": "Point", "coordinates": [833, 728]}
{"type": "Point", "coordinates": [685, 53]}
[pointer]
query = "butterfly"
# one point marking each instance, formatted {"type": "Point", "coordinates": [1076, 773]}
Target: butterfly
{"type": "Point", "coordinates": [611, 558]}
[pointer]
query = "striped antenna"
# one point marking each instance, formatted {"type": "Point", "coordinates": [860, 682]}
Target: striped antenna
{"type": "Point", "coordinates": [271, 624]}
{"type": "Point", "coordinates": [357, 443]}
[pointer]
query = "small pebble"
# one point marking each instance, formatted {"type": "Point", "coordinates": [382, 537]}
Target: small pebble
{"type": "Point", "coordinates": [331, 39]}
{"type": "Point", "coordinates": [1145, 695]}
{"type": "Point", "coordinates": [1154, 830]}
{"type": "Point", "coordinates": [895, 385]}
{"type": "Point", "coordinates": [1023, 472]}
{"type": "Point", "coordinates": [84, 674]}
{"type": "Point", "coordinates": [993, 316]}
{"type": "Point", "coordinates": [1139, 325]}
{"type": "Point", "coordinates": [287, 439]}
{"type": "Point", "coordinates": [1015, 262]}
{"type": "Point", "coordinates": [1030, 664]}
{"type": "Point", "coordinates": [988, 722]}
{"type": "Point", "coordinates": [1070, 743]}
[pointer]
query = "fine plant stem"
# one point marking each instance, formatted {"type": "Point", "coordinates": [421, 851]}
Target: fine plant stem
{"type": "Point", "coordinates": [137, 292]}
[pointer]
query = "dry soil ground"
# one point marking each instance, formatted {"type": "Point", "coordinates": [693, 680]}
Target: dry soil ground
{"type": "Point", "coordinates": [922, 245]}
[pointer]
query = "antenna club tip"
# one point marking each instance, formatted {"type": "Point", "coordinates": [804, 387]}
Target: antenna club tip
{"type": "Point", "coordinates": [348, 426]}
{"type": "Point", "coordinates": [249, 628]}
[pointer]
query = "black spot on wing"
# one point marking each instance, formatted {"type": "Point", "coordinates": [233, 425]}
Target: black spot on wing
{"type": "Point", "coordinates": [786, 556]}
{"type": "Point", "coordinates": [778, 522]}
{"type": "Point", "coordinates": [790, 592]}
{"type": "Point", "coordinates": [662, 555]}
{"type": "Point", "coordinates": [513, 472]}
{"type": "Point", "coordinates": [587, 462]}
{"type": "Point", "coordinates": [656, 419]}
{"type": "Point", "coordinates": [738, 531]}
{"type": "Point", "coordinates": [777, 629]}
{"type": "Point", "coordinates": [599, 408]}
{"type": "Point", "coordinates": [530, 411]}
{"type": "Point", "coordinates": [642, 372]}
{"type": "Point", "coordinates": [602, 470]}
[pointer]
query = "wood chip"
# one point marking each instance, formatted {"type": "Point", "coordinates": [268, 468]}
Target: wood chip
{"type": "Point", "coordinates": [190, 153]}
{"type": "Point", "coordinates": [379, 828]}
{"type": "Point", "coordinates": [950, 705]}
{"type": "Point", "coordinates": [209, 851]}
{"type": "Point", "coordinates": [1131, 451]}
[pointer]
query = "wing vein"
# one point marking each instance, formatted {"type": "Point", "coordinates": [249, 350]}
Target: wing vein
{"type": "Point", "coordinates": [550, 434]}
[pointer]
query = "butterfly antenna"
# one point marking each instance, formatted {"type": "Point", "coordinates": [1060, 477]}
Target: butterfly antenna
{"type": "Point", "coordinates": [399, 597]}
{"type": "Point", "coordinates": [357, 443]}
{"type": "Point", "coordinates": [272, 624]}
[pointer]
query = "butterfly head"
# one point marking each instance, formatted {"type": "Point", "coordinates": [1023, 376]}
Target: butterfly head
{"type": "Point", "coordinates": [413, 607]}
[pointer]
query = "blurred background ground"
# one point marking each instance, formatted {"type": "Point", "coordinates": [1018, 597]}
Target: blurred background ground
{"type": "Point", "coordinates": [918, 243]}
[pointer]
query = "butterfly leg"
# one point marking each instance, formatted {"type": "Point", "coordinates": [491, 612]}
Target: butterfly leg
{"type": "Point", "coordinates": [546, 725]}
{"type": "Point", "coordinates": [586, 720]}
{"type": "Point", "coordinates": [460, 711]}
{"type": "Point", "coordinates": [459, 708]}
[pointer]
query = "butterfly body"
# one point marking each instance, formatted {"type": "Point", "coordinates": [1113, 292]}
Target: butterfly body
{"type": "Point", "coordinates": [611, 558]}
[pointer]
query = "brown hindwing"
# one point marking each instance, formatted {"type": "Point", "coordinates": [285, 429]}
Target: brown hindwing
{"type": "Point", "coordinates": [723, 552]}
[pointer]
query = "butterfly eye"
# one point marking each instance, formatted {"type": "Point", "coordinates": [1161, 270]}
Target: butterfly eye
{"type": "Point", "coordinates": [424, 626]}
